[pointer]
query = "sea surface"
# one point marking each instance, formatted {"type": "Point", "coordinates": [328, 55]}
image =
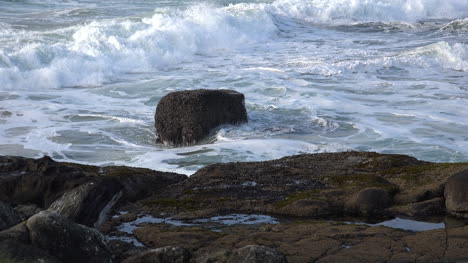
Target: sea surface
{"type": "Point", "coordinates": [80, 79]}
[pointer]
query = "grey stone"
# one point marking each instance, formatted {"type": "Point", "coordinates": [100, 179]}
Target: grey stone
{"type": "Point", "coordinates": [66, 240]}
{"type": "Point", "coordinates": [456, 193]}
{"type": "Point", "coordinates": [186, 117]}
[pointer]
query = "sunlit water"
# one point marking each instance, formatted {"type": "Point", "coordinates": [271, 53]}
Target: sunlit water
{"type": "Point", "coordinates": [80, 80]}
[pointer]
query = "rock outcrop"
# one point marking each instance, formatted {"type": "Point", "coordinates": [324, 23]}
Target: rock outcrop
{"type": "Point", "coordinates": [8, 216]}
{"type": "Point", "coordinates": [186, 117]}
{"type": "Point", "coordinates": [79, 192]}
{"type": "Point", "coordinates": [166, 254]}
{"type": "Point", "coordinates": [456, 194]}
{"type": "Point", "coordinates": [257, 254]}
{"type": "Point", "coordinates": [67, 241]}
{"type": "Point", "coordinates": [232, 212]}
{"type": "Point", "coordinates": [50, 237]}
{"type": "Point", "coordinates": [89, 203]}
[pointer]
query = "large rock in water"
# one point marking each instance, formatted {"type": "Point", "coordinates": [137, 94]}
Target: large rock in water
{"type": "Point", "coordinates": [186, 117]}
{"type": "Point", "coordinates": [456, 194]}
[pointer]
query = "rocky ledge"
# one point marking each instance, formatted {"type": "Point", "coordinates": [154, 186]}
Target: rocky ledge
{"type": "Point", "coordinates": [329, 207]}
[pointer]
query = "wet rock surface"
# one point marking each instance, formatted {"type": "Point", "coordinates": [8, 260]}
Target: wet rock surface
{"type": "Point", "coordinates": [257, 254]}
{"type": "Point", "coordinates": [41, 182]}
{"type": "Point", "coordinates": [369, 201]}
{"type": "Point", "coordinates": [318, 185]}
{"type": "Point", "coordinates": [302, 207]}
{"type": "Point", "coordinates": [85, 203]}
{"type": "Point", "coordinates": [8, 216]}
{"type": "Point", "coordinates": [166, 254]}
{"type": "Point", "coordinates": [186, 117]}
{"type": "Point", "coordinates": [456, 194]}
{"type": "Point", "coordinates": [66, 240]}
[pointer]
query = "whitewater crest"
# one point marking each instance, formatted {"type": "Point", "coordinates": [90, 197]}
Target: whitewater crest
{"type": "Point", "coordinates": [80, 80]}
{"type": "Point", "coordinates": [102, 51]}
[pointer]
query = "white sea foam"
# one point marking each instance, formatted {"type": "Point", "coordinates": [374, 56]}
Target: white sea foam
{"type": "Point", "coordinates": [345, 11]}
{"type": "Point", "coordinates": [101, 51]}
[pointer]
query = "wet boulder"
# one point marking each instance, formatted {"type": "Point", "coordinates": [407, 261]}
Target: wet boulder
{"type": "Point", "coordinates": [456, 194]}
{"type": "Point", "coordinates": [186, 117]}
{"type": "Point", "coordinates": [257, 254]}
{"type": "Point", "coordinates": [66, 240]}
{"type": "Point", "coordinates": [369, 201]}
{"type": "Point", "coordinates": [79, 192]}
{"type": "Point", "coordinates": [36, 181]}
{"type": "Point", "coordinates": [88, 204]}
{"type": "Point", "coordinates": [168, 254]}
{"type": "Point", "coordinates": [8, 216]}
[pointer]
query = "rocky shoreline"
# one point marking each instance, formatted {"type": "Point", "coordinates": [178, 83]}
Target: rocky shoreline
{"type": "Point", "coordinates": [304, 208]}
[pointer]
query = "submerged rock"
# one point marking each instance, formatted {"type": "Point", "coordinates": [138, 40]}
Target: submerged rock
{"type": "Point", "coordinates": [186, 117]}
{"type": "Point", "coordinates": [68, 241]}
{"type": "Point", "coordinates": [456, 194]}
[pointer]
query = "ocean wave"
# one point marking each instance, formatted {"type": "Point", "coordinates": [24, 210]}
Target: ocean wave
{"type": "Point", "coordinates": [456, 26]}
{"type": "Point", "coordinates": [103, 50]}
{"type": "Point", "coordinates": [345, 11]}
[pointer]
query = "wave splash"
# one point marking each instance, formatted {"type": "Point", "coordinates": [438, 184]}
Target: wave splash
{"type": "Point", "coordinates": [343, 11]}
{"type": "Point", "coordinates": [105, 51]}
{"type": "Point", "coordinates": [101, 51]}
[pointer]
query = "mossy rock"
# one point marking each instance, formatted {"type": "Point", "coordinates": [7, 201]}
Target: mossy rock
{"type": "Point", "coordinates": [356, 182]}
{"type": "Point", "coordinates": [184, 204]}
{"type": "Point", "coordinates": [314, 194]}
{"type": "Point", "coordinates": [424, 174]}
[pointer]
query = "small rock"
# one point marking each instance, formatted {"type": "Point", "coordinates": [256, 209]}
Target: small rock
{"type": "Point", "coordinates": [68, 241]}
{"type": "Point", "coordinates": [167, 254]}
{"type": "Point", "coordinates": [6, 114]}
{"type": "Point", "coordinates": [8, 216]}
{"type": "Point", "coordinates": [186, 117]}
{"type": "Point", "coordinates": [369, 201]}
{"type": "Point", "coordinates": [257, 254]}
{"type": "Point", "coordinates": [456, 193]}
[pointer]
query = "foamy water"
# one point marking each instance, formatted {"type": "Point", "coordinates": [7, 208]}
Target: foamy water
{"type": "Point", "coordinates": [80, 80]}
